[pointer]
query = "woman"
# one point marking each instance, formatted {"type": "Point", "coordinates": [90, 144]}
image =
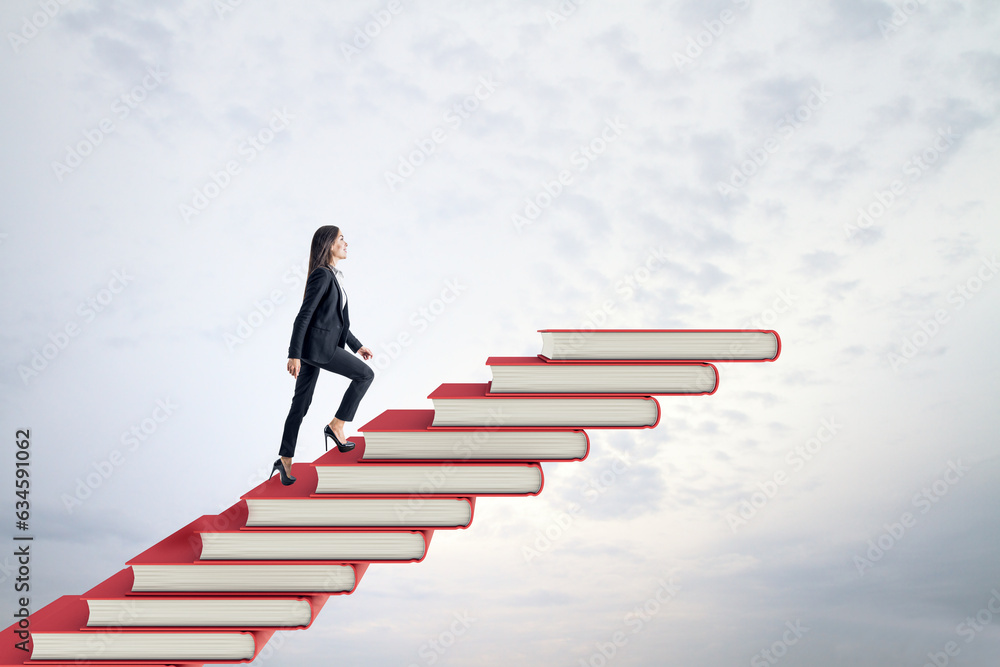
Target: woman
{"type": "Point", "coordinates": [319, 333]}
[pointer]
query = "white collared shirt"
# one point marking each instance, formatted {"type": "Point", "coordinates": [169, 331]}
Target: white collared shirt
{"type": "Point", "coordinates": [340, 285]}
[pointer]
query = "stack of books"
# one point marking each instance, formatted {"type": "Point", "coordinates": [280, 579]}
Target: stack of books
{"type": "Point", "coordinates": [217, 589]}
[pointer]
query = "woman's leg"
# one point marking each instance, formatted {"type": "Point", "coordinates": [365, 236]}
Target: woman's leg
{"type": "Point", "coordinates": [361, 376]}
{"type": "Point", "coordinates": [305, 385]}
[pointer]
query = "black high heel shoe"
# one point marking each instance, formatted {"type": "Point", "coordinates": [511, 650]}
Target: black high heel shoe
{"type": "Point", "coordinates": [342, 446]}
{"type": "Point", "coordinates": [286, 479]}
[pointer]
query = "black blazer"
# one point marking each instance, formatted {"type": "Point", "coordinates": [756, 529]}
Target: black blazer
{"type": "Point", "coordinates": [321, 326]}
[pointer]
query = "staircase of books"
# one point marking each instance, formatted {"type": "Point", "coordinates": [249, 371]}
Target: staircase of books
{"type": "Point", "coordinates": [217, 589]}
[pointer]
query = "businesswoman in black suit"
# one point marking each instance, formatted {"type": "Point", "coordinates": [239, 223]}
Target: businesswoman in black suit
{"type": "Point", "coordinates": [319, 333]}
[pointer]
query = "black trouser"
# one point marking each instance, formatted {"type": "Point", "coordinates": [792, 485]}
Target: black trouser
{"type": "Point", "coordinates": [343, 363]}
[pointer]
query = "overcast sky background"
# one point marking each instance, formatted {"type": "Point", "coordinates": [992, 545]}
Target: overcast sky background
{"type": "Point", "coordinates": [878, 339]}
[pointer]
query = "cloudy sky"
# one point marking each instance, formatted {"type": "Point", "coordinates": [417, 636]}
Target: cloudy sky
{"type": "Point", "coordinates": [825, 169]}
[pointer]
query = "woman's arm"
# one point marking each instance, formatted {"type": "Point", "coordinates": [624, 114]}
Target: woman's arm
{"type": "Point", "coordinates": [353, 342]}
{"type": "Point", "coordinates": [316, 287]}
{"type": "Point", "coordinates": [355, 345]}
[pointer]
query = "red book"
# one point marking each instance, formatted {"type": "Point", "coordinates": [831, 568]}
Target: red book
{"type": "Point", "coordinates": [602, 376]}
{"type": "Point", "coordinates": [59, 634]}
{"type": "Point", "coordinates": [113, 603]}
{"type": "Point", "coordinates": [560, 345]}
{"type": "Point", "coordinates": [350, 475]}
{"type": "Point", "coordinates": [411, 435]}
{"type": "Point", "coordinates": [275, 507]}
{"type": "Point", "coordinates": [174, 566]}
{"type": "Point", "coordinates": [334, 544]}
{"type": "Point", "coordinates": [472, 404]}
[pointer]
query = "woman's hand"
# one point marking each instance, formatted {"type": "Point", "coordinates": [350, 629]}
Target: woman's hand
{"type": "Point", "coordinates": [365, 353]}
{"type": "Point", "coordinates": [293, 367]}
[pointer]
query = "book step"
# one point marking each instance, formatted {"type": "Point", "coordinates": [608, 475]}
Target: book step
{"type": "Point", "coordinates": [329, 545]}
{"type": "Point", "coordinates": [472, 404]}
{"type": "Point", "coordinates": [411, 435]}
{"type": "Point", "coordinates": [537, 375]}
{"type": "Point", "coordinates": [726, 345]}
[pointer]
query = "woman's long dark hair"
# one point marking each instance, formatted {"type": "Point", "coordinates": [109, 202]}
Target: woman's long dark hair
{"type": "Point", "coordinates": [319, 251]}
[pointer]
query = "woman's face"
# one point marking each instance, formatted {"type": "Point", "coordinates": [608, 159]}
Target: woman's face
{"type": "Point", "coordinates": [339, 249]}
